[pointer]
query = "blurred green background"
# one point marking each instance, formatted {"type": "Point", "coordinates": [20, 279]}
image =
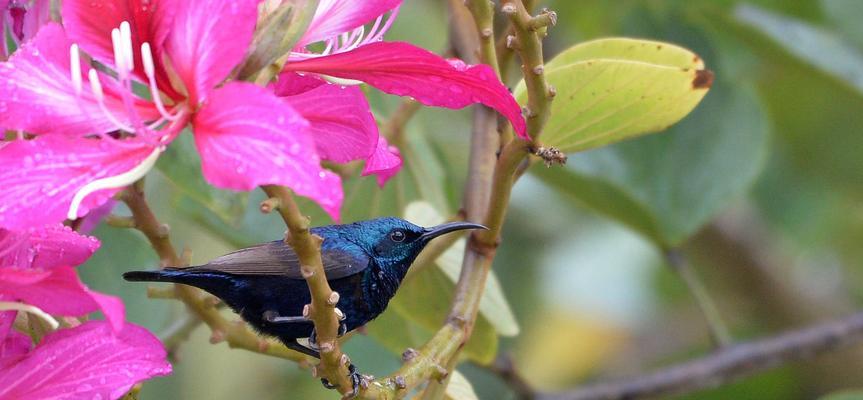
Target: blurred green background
{"type": "Point", "coordinates": [761, 187]}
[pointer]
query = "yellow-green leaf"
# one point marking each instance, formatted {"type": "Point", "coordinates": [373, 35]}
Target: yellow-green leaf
{"type": "Point", "coordinates": [459, 388]}
{"type": "Point", "coordinates": [646, 51]}
{"type": "Point", "coordinates": [614, 89]}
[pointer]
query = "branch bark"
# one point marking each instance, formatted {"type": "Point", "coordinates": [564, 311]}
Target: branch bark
{"type": "Point", "coordinates": [727, 364]}
{"type": "Point", "coordinates": [333, 364]}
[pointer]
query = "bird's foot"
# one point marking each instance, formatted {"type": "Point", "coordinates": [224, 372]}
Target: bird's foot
{"type": "Point", "coordinates": [358, 381]}
{"type": "Point", "coordinates": [343, 330]}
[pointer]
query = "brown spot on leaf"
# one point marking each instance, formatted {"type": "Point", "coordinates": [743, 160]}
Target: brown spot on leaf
{"type": "Point", "coordinates": [696, 59]}
{"type": "Point", "coordinates": [703, 79]}
{"type": "Point", "coordinates": [659, 47]}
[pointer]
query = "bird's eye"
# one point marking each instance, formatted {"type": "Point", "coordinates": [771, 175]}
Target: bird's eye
{"type": "Point", "coordinates": [397, 236]}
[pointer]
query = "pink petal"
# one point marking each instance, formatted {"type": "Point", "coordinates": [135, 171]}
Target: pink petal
{"type": "Point", "coordinates": [406, 70]}
{"type": "Point", "coordinates": [13, 345]}
{"type": "Point", "coordinates": [89, 23]}
{"type": "Point", "coordinates": [290, 83]}
{"type": "Point", "coordinates": [209, 38]}
{"type": "Point", "coordinates": [38, 14]}
{"type": "Point", "coordinates": [37, 94]}
{"type": "Point", "coordinates": [342, 125]}
{"type": "Point", "coordinates": [94, 217]}
{"type": "Point", "coordinates": [59, 292]}
{"type": "Point", "coordinates": [385, 162]}
{"type": "Point", "coordinates": [333, 17]}
{"type": "Point", "coordinates": [4, 50]}
{"type": "Point", "coordinates": [86, 362]}
{"type": "Point", "coordinates": [45, 247]}
{"type": "Point", "coordinates": [248, 137]}
{"type": "Point", "coordinates": [6, 318]}
{"type": "Point", "coordinates": [40, 177]}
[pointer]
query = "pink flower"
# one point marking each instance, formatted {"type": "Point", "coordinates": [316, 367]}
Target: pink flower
{"type": "Point", "coordinates": [24, 18]}
{"type": "Point", "coordinates": [89, 361]}
{"type": "Point", "coordinates": [341, 123]}
{"type": "Point", "coordinates": [37, 268]}
{"type": "Point", "coordinates": [99, 358]}
{"type": "Point", "coordinates": [93, 141]}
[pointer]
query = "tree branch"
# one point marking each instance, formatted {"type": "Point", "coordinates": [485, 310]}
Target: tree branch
{"type": "Point", "coordinates": [727, 364]}
{"type": "Point", "coordinates": [333, 365]}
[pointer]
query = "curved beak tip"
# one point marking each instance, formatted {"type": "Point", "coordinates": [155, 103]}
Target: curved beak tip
{"type": "Point", "coordinates": [435, 231]}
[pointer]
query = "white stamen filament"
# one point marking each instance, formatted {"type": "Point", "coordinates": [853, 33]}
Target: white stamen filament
{"type": "Point", "coordinates": [341, 81]}
{"type": "Point", "coordinates": [96, 87]}
{"type": "Point", "coordinates": [36, 311]}
{"type": "Point", "coordinates": [119, 63]}
{"type": "Point", "coordinates": [350, 40]}
{"type": "Point", "coordinates": [150, 71]}
{"type": "Point", "coordinates": [147, 60]}
{"type": "Point", "coordinates": [126, 45]}
{"type": "Point", "coordinates": [116, 181]}
{"type": "Point", "coordinates": [75, 70]}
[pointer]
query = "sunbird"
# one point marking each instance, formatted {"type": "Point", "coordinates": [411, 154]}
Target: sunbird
{"type": "Point", "coordinates": [364, 262]}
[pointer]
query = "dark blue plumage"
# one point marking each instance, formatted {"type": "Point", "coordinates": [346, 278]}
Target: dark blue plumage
{"type": "Point", "coordinates": [365, 263]}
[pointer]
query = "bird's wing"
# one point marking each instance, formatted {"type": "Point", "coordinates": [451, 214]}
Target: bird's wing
{"type": "Point", "coordinates": [277, 258]}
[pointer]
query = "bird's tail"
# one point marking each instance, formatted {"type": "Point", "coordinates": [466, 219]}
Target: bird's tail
{"type": "Point", "coordinates": [165, 275]}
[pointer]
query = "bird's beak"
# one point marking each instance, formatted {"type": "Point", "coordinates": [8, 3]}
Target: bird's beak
{"type": "Point", "coordinates": [435, 231]}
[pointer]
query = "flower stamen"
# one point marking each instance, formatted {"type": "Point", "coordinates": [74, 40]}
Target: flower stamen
{"type": "Point", "coordinates": [75, 70]}
{"type": "Point", "coordinates": [150, 71]}
{"type": "Point", "coordinates": [30, 309]}
{"type": "Point", "coordinates": [96, 88]}
{"type": "Point", "coordinates": [350, 40]}
{"type": "Point", "coordinates": [116, 181]}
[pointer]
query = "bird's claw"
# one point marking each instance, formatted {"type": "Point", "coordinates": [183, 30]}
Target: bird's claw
{"type": "Point", "coordinates": [313, 337]}
{"type": "Point", "coordinates": [358, 381]}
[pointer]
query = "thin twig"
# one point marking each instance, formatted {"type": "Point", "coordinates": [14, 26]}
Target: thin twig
{"type": "Point", "coordinates": [727, 364]}
{"type": "Point", "coordinates": [504, 367]}
{"type": "Point", "coordinates": [483, 16]}
{"type": "Point", "coordinates": [719, 333]}
{"type": "Point", "coordinates": [333, 365]}
{"type": "Point", "coordinates": [394, 127]}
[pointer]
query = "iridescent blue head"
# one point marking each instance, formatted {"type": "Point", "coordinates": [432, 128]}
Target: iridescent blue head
{"type": "Point", "coordinates": [393, 241]}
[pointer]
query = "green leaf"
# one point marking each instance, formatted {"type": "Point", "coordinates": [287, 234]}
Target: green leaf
{"type": "Point", "coordinates": [615, 89]}
{"type": "Point", "coordinates": [846, 15]}
{"type": "Point", "coordinates": [493, 305]}
{"type": "Point", "coordinates": [819, 47]}
{"type": "Point", "coordinates": [844, 395]}
{"type": "Point", "coordinates": [459, 388]}
{"type": "Point", "coordinates": [667, 186]}
{"type": "Point", "coordinates": [396, 333]}
{"type": "Point", "coordinates": [646, 51]}
{"type": "Point", "coordinates": [181, 165]}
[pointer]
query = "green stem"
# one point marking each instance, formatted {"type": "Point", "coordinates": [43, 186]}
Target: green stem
{"type": "Point", "coordinates": [333, 365]}
{"type": "Point", "coordinates": [716, 326]}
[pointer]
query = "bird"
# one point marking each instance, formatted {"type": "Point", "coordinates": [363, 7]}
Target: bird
{"type": "Point", "coordinates": [364, 262]}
